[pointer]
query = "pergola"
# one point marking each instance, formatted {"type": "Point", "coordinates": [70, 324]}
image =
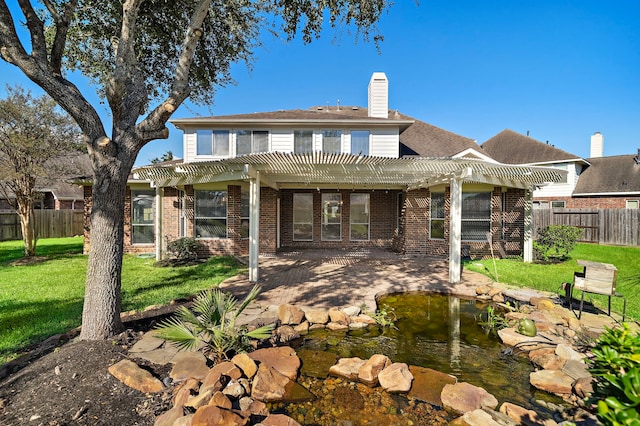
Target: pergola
{"type": "Point", "coordinates": [344, 171]}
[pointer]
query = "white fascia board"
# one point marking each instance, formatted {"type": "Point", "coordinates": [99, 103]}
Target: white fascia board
{"type": "Point", "coordinates": [185, 123]}
{"type": "Point", "coordinates": [605, 194]}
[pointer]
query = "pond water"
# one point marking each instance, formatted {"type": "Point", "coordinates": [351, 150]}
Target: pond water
{"type": "Point", "coordinates": [440, 332]}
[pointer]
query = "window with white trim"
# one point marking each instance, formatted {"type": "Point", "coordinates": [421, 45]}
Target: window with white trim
{"type": "Point", "coordinates": [302, 141]}
{"type": "Point", "coordinates": [436, 225]}
{"type": "Point", "coordinates": [633, 204]}
{"type": "Point", "coordinates": [303, 217]}
{"type": "Point", "coordinates": [476, 215]}
{"type": "Point", "coordinates": [252, 141]}
{"type": "Point", "coordinates": [359, 218]}
{"type": "Point", "coordinates": [332, 141]}
{"type": "Point", "coordinates": [142, 217]}
{"type": "Point", "coordinates": [210, 214]}
{"type": "Point", "coordinates": [212, 142]}
{"type": "Point", "coordinates": [360, 142]}
{"type": "Point", "coordinates": [244, 214]}
{"type": "Point", "coordinates": [331, 229]}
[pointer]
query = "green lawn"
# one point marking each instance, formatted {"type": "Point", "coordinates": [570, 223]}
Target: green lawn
{"type": "Point", "coordinates": [43, 299]}
{"type": "Point", "coordinates": [550, 277]}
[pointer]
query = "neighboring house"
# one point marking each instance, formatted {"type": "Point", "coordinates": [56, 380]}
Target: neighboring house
{"type": "Point", "coordinates": [62, 192]}
{"type": "Point", "coordinates": [596, 182]}
{"type": "Point", "coordinates": [331, 178]}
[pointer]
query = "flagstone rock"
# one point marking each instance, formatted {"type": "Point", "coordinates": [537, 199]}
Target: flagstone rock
{"type": "Point", "coordinates": [183, 421]}
{"type": "Point", "coordinates": [547, 359]}
{"type": "Point", "coordinates": [511, 337]}
{"type": "Point", "coordinates": [246, 364]}
{"type": "Point", "coordinates": [317, 316]}
{"type": "Point", "coordinates": [189, 364]}
{"type": "Point", "coordinates": [168, 418]}
{"type": "Point", "coordinates": [161, 356]}
{"type": "Point", "coordinates": [148, 343]}
{"type": "Point", "coordinates": [553, 381]}
{"type": "Point", "coordinates": [234, 390]}
{"type": "Point", "coordinates": [302, 328]}
{"type": "Point", "coordinates": [368, 372]}
{"type": "Point", "coordinates": [338, 316]}
{"type": "Point", "coordinates": [482, 289]}
{"type": "Point", "coordinates": [347, 368]}
{"type": "Point", "coordinates": [363, 318]}
{"type": "Point", "coordinates": [351, 311]}
{"type": "Point", "coordinates": [575, 369]}
{"type": "Point", "coordinates": [283, 359]}
{"type": "Point", "coordinates": [181, 397]}
{"type": "Point", "coordinates": [565, 351]}
{"type": "Point", "coordinates": [583, 387]}
{"type": "Point", "coordinates": [524, 416]}
{"type": "Point", "coordinates": [477, 417]}
{"type": "Point", "coordinates": [211, 415]}
{"type": "Point", "coordinates": [285, 334]}
{"type": "Point", "coordinates": [279, 420]}
{"type": "Point", "coordinates": [200, 400]}
{"type": "Point", "coordinates": [269, 384]}
{"type": "Point", "coordinates": [428, 384]}
{"type": "Point", "coordinates": [219, 376]}
{"type": "Point", "coordinates": [463, 397]}
{"type": "Point", "coordinates": [290, 314]}
{"type": "Point", "coordinates": [256, 407]}
{"type": "Point", "coordinates": [335, 326]}
{"type": "Point", "coordinates": [221, 400]}
{"type": "Point", "coordinates": [129, 373]}
{"type": "Point", "coordinates": [357, 325]}
{"type": "Point", "coordinates": [396, 378]}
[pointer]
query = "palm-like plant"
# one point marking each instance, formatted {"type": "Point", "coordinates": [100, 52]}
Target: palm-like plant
{"type": "Point", "coordinates": [212, 323]}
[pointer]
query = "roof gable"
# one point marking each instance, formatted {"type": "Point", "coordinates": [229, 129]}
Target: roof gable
{"type": "Point", "coordinates": [511, 147]}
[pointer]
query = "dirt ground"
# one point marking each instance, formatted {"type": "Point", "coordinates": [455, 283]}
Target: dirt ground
{"type": "Point", "coordinates": [70, 385]}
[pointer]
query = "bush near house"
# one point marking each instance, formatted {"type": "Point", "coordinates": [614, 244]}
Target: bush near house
{"type": "Point", "coordinates": [555, 242]}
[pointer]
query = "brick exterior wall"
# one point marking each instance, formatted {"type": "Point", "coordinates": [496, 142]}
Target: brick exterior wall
{"type": "Point", "coordinates": [591, 202]}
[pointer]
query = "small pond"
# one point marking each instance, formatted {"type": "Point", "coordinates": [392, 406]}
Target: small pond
{"type": "Point", "coordinates": [440, 332]}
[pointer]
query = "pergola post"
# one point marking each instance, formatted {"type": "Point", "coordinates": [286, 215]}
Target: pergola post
{"type": "Point", "coordinates": [455, 230]}
{"type": "Point", "coordinates": [159, 223]}
{"type": "Point", "coordinates": [527, 250]}
{"type": "Point", "coordinates": [254, 228]}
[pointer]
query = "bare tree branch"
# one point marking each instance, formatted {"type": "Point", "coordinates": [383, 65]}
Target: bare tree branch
{"type": "Point", "coordinates": [62, 22]}
{"type": "Point", "coordinates": [36, 29]}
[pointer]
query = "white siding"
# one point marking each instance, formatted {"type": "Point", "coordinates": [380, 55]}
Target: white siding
{"type": "Point", "coordinates": [281, 140]}
{"type": "Point", "coordinates": [189, 145]}
{"type": "Point", "coordinates": [559, 189]}
{"type": "Point", "coordinates": [385, 143]}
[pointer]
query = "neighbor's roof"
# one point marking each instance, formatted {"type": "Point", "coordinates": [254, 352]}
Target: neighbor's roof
{"type": "Point", "coordinates": [72, 169]}
{"type": "Point", "coordinates": [416, 137]}
{"type": "Point", "coordinates": [619, 174]}
{"type": "Point", "coordinates": [511, 147]}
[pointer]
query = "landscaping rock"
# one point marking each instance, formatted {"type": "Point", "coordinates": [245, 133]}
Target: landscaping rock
{"type": "Point", "coordinates": [234, 390]}
{"type": "Point", "coordinates": [317, 316]}
{"type": "Point", "coordinates": [189, 364]}
{"type": "Point", "coordinates": [279, 420]}
{"type": "Point", "coordinates": [565, 351]}
{"type": "Point", "coordinates": [347, 368]}
{"type": "Point", "coordinates": [482, 290]}
{"type": "Point", "coordinates": [290, 314]}
{"type": "Point", "coordinates": [221, 400]}
{"type": "Point", "coordinates": [547, 359]}
{"type": "Point", "coordinates": [583, 387]}
{"type": "Point", "coordinates": [269, 384]}
{"type": "Point", "coordinates": [246, 364]}
{"type": "Point", "coordinates": [351, 311]}
{"type": "Point", "coordinates": [525, 417]}
{"type": "Point", "coordinates": [219, 376]}
{"type": "Point", "coordinates": [338, 316]}
{"type": "Point", "coordinates": [396, 378]}
{"type": "Point", "coordinates": [575, 369]}
{"type": "Point", "coordinates": [283, 359]}
{"type": "Point", "coordinates": [211, 415]}
{"type": "Point", "coordinates": [335, 326]}
{"type": "Point", "coordinates": [368, 372]}
{"type": "Point", "coordinates": [135, 377]}
{"type": "Point", "coordinates": [363, 318]}
{"type": "Point", "coordinates": [161, 356]}
{"type": "Point", "coordinates": [553, 381]}
{"type": "Point", "coordinates": [477, 417]}
{"type": "Point", "coordinates": [302, 328]}
{"type": "Point", "coordinates": [428, 384]}
{"type": "Point", "coordinates": [463, 397]}
{"type": "Point", "coordinates": [200, 400]}
{"type": "Point", "coordinates": [169, 418]}
{"type": "Point", "coordinates": [148, 343]}
{"type": "Point", "coordinates": [285, 334]}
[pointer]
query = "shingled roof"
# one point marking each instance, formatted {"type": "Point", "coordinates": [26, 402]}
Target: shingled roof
{"type": "Point", "coordinates": [511, 147]}
{"type": "Point", "coordinates": [416, 137]}
{"type": "Point", "coordinates": [618, 174]}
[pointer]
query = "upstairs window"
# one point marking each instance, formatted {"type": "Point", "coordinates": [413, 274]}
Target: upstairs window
{"type": "Point", "coordinates": [214, 143]}
{"type": "Point", "coordinates": [252, 141]}
{"type": "Point", "coordinates": [332, 141]}
{"type": "Point", "coordinates": [302, 141]}
{"type": "Point", "coordinates": [360, 142]}
{"type": "Point", "coordinates": [142, 215]}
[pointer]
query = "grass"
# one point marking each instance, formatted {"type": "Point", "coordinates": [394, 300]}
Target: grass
{"type": "Point", "coordinates": [43, 299]}
{"type": "Point", "coordinates": [549, 277]}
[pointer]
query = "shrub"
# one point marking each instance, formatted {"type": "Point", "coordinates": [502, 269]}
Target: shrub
{"type": "Point", "coordinates": [213, 323]}
{"type": "Point", "coordinates": [184, 250]}
{"type": "Point", "coordinates": [616, 369]}
{"type": "Point", "coordinates": [556, 241]}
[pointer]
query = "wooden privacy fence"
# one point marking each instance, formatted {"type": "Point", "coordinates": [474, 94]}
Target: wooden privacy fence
{"type": "Point", "coordinates": [602, 226]}
{"type": "Point", "coordinates": [49, 224]}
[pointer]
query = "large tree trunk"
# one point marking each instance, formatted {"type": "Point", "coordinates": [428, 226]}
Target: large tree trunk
{"type": "Point", "coordinates": [101, 311]}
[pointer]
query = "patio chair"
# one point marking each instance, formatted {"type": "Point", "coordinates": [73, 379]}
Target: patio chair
{"type": "Point", "coordinates": [596, 278]}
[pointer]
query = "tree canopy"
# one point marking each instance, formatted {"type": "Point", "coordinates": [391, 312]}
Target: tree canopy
{"type": "Point", "coordinates": [147, 57]}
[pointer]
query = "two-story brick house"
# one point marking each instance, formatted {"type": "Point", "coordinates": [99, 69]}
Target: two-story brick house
{"type": "Point", "coordinates": [329, 178]}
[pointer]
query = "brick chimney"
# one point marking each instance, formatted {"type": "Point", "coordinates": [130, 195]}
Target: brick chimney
{"type": "Point", "coordinates": [597, 145]}
{"type": "Point", "coordinates": [379, 95]}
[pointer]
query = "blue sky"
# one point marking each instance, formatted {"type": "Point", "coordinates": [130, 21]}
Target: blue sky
{"type": "Point", "coordinates": [558, 69]}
